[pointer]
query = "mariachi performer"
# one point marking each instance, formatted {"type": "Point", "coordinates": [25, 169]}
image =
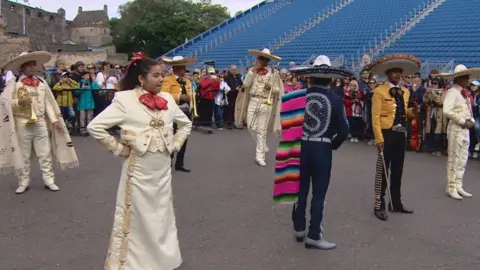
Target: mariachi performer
{"type": "Point", "coordinates": [260, 103]}
{"type": "Point", "coordinates": [457, 108]}
{"type": "Point", "coordinates": [144, 234]}
{"type": "Point", "coordinates": [29, 111]}
{"type": "Point", "coordinates": [313, 125]}
{"type": "Point", "coordinates": [389, 120]}
{"type": "Point", "coordinates": [181, 90]}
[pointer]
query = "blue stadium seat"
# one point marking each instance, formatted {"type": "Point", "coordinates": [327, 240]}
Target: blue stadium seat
{"type": "Point", "coordinates": [449, 32]}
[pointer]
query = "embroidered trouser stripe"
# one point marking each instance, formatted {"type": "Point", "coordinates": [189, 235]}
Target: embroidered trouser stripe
{"type": "Point", "coordinates": [379, 182]}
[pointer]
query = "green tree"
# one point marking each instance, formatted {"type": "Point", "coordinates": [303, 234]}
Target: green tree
{"type": "Point", "coordinates": [156, 26]}
{"type": "Point", "coordinates": [238, 12]}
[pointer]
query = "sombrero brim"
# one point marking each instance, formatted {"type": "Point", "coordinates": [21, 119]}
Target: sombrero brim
{"type": "Point", "coordinates": [179, 63]}
{"type": "Point", "coordinates": [257, 53]}
{"type": "Point", "coordinates": [407, 62]}
{"type": "Point", "coordinates": [321, 72]}
{"type": "Point", "coordinates": [472, 72]}
{"type": "Point", "coordinates": [39, 57]}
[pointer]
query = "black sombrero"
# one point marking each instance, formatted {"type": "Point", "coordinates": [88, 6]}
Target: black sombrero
{"type": "Point", "coordinates": [321, 68]}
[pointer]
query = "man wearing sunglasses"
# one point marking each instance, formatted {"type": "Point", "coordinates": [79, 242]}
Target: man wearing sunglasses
{"type": "Point", "coordinates": [367, 91]}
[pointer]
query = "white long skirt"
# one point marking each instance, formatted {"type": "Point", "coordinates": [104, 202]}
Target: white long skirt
{"type": "Point", "coordinates": [144, 234]}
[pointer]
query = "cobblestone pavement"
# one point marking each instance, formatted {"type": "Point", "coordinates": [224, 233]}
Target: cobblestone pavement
{"type": "Point", "coordinates": [227, 221]}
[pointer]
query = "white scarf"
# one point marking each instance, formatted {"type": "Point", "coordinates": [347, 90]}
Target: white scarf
{"type": "Point", "coordinates": [11, 158]}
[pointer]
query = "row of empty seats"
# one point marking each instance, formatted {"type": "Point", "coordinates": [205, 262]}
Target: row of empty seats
{"type": "Point", "coordinates": [449, 32]}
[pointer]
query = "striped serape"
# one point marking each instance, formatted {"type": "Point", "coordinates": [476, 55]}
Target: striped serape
{"type": "Point", "coordinates": [287, 166]}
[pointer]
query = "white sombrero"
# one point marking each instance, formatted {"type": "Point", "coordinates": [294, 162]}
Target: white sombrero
{"type": "Point", "coordinates": [179, 61]}
{"type": "Point", "coordinates": [406, 62]}
{"type": "Point", "coordinates": [461, 70]}
{"type": "Point", "coordinates": [264, 53]}
{"type": "Point", "coordinates": [321, 68]}
{"type": "Point", "coordinates": [39, 57]}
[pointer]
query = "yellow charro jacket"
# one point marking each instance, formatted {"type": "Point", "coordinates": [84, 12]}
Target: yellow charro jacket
{"type": "Point", "coordinates": [170, 85]}
{"type": "Point", "coordinates": [383, 110]}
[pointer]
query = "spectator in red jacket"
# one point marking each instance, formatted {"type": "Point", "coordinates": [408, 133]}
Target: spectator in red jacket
{"type": "Point", "coordinates": [209, 86]}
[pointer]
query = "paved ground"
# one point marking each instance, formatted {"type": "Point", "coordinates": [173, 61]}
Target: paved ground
{"type": "Point", "coordinates": [227, 221]}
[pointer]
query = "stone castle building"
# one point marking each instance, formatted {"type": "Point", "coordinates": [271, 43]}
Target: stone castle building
{"type": "Point", "coordinates": [86, 38]}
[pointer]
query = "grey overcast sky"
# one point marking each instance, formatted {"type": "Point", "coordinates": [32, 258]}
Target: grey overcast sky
{"type": "Point", "coordinates": [71, 7]}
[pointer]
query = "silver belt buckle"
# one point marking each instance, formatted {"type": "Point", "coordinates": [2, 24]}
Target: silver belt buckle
{"type": "Point", "coordinates": [399, 128]}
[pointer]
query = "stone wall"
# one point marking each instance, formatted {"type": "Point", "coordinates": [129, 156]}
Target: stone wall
{"type": "Point", "coordinates": [118, 58]}
{"type": "Point", "coordinates": [88, 58]}
{"type": "Point", "coordinates": [91, 35]}
{"type": "Point", "coordinates": [11, 47]}
{"type": "Point", "coordinates": [72, 57]}
{"type": "Point", "coordinates": [39, 24]}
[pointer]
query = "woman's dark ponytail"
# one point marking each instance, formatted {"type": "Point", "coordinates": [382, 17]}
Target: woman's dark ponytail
{"type": "Point", "coordinates": [140, 65]}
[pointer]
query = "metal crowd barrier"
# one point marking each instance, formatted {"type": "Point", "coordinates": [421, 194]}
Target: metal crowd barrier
{"type": "Point", "coordinates": [73, 101]}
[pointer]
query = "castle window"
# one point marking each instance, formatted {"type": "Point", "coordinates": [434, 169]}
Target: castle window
{"type": "Point", "coordinates": [12, 8]}
{"type": "Point", "coordinates": [52, 18]}
{"type": "Point", "coordinates": [40, 15]}
{"type": "Point", "coordinates": [27, 12]}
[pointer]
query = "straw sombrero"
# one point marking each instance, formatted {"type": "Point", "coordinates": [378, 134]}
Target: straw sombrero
{"type": "Point", "coordinates": [407, 62]}
{"type": "Point", "coordinates": [39, 57]}
{"type": "Point", "coordinates": [264, 53]}
{"type": "Point", "coordinates": [179, 61]}
{"type": "Point", "coordinates": [321, 68]}
{"type": "Point", "coordinates": [461, 70]}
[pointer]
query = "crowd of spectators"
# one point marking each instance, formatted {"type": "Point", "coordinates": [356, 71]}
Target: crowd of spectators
{"type": "Point", "coordinates": [216, 93]}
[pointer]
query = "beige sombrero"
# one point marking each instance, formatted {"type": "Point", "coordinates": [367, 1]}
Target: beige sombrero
{"type": "Point", "coordinates": [39, 57]}
{"type": "Point", "coordinates": [264, 53]}
{"type": "Point", "coordinates": [407, 62]}
{"type": "Point", "coordinates": [461, 70]}
{"type": "Point", "coordinates": [179, 61]}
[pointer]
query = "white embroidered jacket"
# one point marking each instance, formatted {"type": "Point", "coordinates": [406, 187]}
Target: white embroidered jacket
{"type": "Point", "coordinates": [141, 128]}
{"type": "Point", "coordinates": [41, 106]}
{"type": "Point", "coordinates": [457, 108]}
{"type": "Point", "coordinates": [255, 84]}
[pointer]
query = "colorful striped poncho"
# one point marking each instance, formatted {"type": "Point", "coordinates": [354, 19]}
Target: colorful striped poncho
{"type": "Point", "coordinates": [287, 166]}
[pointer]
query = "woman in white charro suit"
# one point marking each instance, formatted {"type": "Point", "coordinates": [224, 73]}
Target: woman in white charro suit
{"type": "Point", "coordinates": [144, 234]}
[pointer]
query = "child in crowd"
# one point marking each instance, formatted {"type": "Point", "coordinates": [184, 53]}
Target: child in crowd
{"type": "Point", "coordinates": [64, 89]}
{"type": "Point", "coordinates": [86, 104]}
{"type": "Point", "coordinates": [221, 102]}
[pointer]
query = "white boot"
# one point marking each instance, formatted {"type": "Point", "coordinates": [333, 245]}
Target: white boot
{"type": "Point", "coordinates": [451, 189]}
{"type": "Point", "coordinates": [463, 193]}
{"type": "Point", "coordinates": [52, 187]}
{"type": "Point", "coordinates": [260, 162]}
{"type": "Point", "coordinates": [454, 195]}
{"type": "Point", "coordinates": [21, 189]}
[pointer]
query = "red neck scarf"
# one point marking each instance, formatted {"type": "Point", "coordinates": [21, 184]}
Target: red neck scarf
{"type": "Point", "coordinates": [31, 81]}
{"type": "Point", "coordinates": [153, 102]}
{"type": "Point", "coordinates": [262, 71]}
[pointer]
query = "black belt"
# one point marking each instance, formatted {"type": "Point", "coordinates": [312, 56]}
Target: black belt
{"type": "Point", "coordinates": [318, 139]}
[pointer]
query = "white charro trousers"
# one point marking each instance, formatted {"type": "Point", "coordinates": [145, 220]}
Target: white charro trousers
{"type": "Point", "coordinates": [458, 143]}
{"type": "Point", "coordinates": [257, 123]}
{"type": "Point", "coordinates": [35, 134]}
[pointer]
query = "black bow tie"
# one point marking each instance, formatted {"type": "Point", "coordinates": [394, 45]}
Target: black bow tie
{"type": "Point", "coordinates": [181, 81]}
{"type": "Point", "coordinates": [394, 91]}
